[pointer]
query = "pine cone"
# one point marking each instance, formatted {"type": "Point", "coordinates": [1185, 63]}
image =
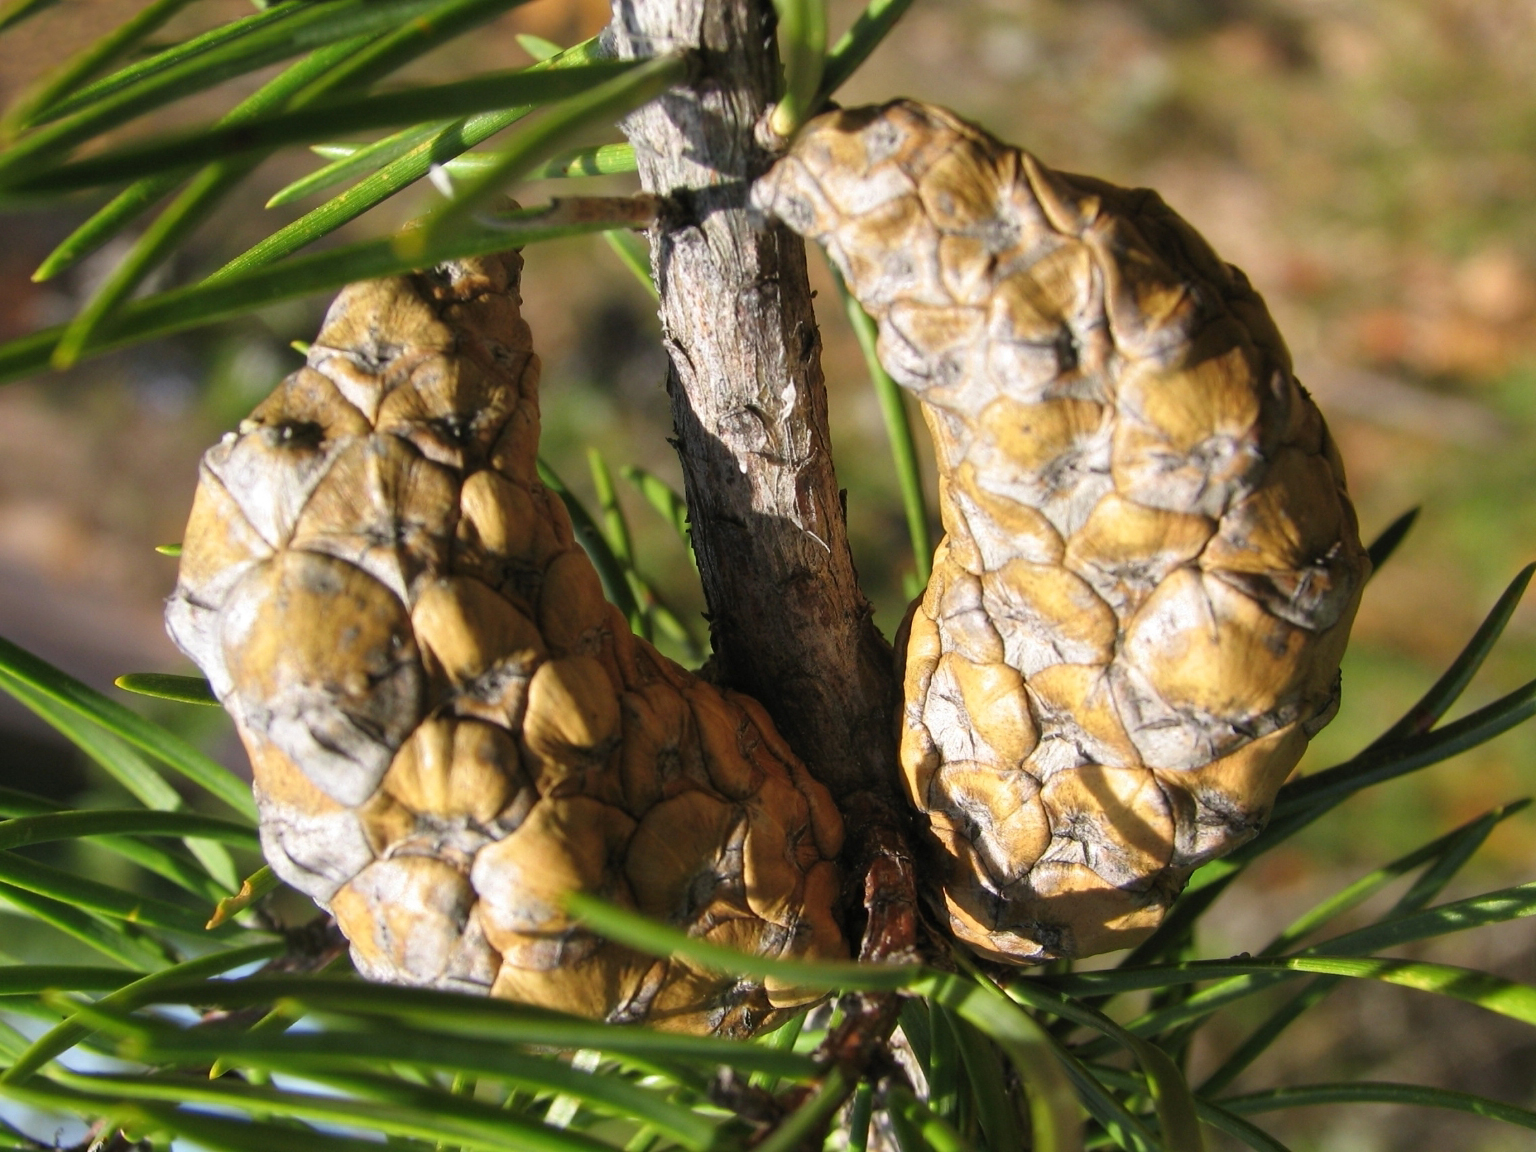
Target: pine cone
{"type": "Point", "coordinates": [450, 728]}
{"type": "Point", "coordinates": [1150, 566]}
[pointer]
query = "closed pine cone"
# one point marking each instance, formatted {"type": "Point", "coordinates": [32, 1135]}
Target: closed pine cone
{"type": "Point", "coordinates": [1150, 566]}
{"type": "Point", "coordinates": [450, 728]}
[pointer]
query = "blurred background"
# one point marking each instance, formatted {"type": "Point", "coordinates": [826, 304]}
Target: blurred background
{"type": "Point", "coordinates": [1371, 164]}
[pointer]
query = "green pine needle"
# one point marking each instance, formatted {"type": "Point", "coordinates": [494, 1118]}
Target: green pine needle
{"type": "Point", "coordinates": [1386, 544]}
{"type": "Point", "coordinates": [352, 160]}
{"type": "Point", "coordinates": [225, 297]}
{"type": "Point", "coordinates": [552, 134]}
{"type": "Point", "coordinates": [1376, 1092]}
{"type": "Point", "coordinates": [803, 46]}
{"type": "Point", "coordinates": [537, 47]}
{"type": "Point", "coordinates": [84, 705]}
{"type": "Point", "coordinates": [855, 45]}
{"type": "Point", "coordinates": [898, 430]}
{"type": "Point", "coordinates": [373, 190]}
{"type": "Point", "coordinates": [183, 689]}
{"type": "Point", "coordinates": [16, 11]}
{"type": "Point", "coordinates": [635, 254]}
{"type": "Point", "coordinates": [270, 37]}
{"type": "Point", "coordinates": [485, 93]}
{"type": "Point", "coordinates": [69, 76]}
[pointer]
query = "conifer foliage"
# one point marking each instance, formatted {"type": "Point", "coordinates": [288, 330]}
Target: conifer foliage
{"type": "Point", "coordinates": [573, 895]}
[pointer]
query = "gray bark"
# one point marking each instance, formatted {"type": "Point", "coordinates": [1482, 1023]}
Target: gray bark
{"type": "Point", "coordinates": [790, 624]}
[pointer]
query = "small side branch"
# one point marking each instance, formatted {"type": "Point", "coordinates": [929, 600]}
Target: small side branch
{"type": "Point", "coordinates": [790, 625]}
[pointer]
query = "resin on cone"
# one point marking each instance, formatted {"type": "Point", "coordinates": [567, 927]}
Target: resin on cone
{"type": "Point", "coordinates": [450, 728]}
{"type": "Point", "coordinates": [1150, 564]}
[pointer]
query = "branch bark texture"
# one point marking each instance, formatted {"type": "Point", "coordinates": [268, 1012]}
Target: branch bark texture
{"type": "Point", "coordinates": [790, 624]}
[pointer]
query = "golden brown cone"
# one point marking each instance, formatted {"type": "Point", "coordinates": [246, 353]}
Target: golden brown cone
{"type": "Point", "coordinates": [450, 728]}
{"type": "Point", "coordinates": [1146, 524]}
